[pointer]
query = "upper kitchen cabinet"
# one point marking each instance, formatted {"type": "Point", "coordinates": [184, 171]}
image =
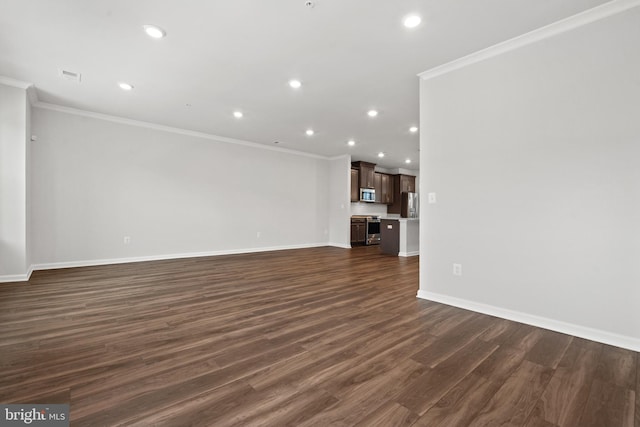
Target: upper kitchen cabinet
{"type": "Point", "coordinates": [377, 185]}
{"type": "Point", "coordinates": [367, 174]}
{"type": "Point", "coordinates": [386, 189]}
{"type": "Point", "coordinates": [355, 185]}
{"type": "Point", "coordinates": [401, 184]}
{"type": "Point", "coordinates": [406, 183]}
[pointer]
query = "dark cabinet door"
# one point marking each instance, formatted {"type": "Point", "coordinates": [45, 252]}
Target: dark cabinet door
{"type": "Point", "coordinates": [386, 189]}
{"type": "Point", "coordinates": [407, 184]}
{"type": "Point", "coordinates": [377, 185]}
{"type": "Point", "coordinates": [358, 231]}
{"type": "Point", "coordinates": [355, 189]}
{"type": "Point", "coordinates": [367, 174]}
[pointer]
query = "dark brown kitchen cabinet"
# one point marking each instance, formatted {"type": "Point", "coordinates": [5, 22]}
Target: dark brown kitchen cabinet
{"type": "Point", "coordinates": [401, 184]}
{"type": "Point", "coordinates": [407, 183]}
{"type": "Point", "coordinates": [377, 185]}
{"type": "Point", "coordinates": [355, 185]}
{"type": "Point", "coordinates": [367, 173]}
{"type": "Point", "coordinates": [386, 189]}
{"type": "Point", "coordinates": [358, 231]}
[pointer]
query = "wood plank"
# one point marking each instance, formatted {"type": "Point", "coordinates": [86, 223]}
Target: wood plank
{"type": "Point", "coordinates": [389, 414]}
{"type": "Point", "coordinates": [461, 404]}
{"type": "Point", "coordinates": [517, 397]}
{"type": "Point", "coordinates": [618, 366]}
{"type": "Point", "coordinates": [436, 382]}
{"type": "Point", "coordinates": [608, 404]}
{"type": "Point", "coordinates": [564, 399]}
{"type": "Point", "coordinates": [549, 349]}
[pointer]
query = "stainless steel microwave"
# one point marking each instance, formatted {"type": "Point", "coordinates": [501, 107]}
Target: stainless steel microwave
{"type": "Point", "coordinates": [367, 195]}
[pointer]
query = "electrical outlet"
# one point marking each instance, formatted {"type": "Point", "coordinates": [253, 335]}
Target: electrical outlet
{"type": "Point", "coordinates": [457, 269]}
{"type": "Point", "coordinates": [127, 240]}
{"type": "Point", "coordinates": [431, 198]}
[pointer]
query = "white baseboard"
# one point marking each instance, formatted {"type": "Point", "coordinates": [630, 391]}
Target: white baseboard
{"type": "Point", "coordinates": [407, 254]}
{"type": "Point", "coordinates": [339, 245]}
{"type": "Point", "coordinates": [598, 335]}
{"type": "Point", "coordinates": [94, 262]}
{"type": "Point", "coordinates": [10, 278]}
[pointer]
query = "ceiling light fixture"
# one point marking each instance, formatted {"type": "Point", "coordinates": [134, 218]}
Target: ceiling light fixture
{"type": "Point", "coordinates": [125, 86]}
{"type": "Point", "coordinates": [372, 113]}
{"type": "Point", "coordinates": [296, 84]}
{"type": "Point", "coordinates": [309, 132]}
{"type": "Point", "coordinates": [407, 161]}
{"type": "Point", "coordinates": [413, 129]}
{"type": "Point", "coordinates": [351, 143]}
{"type": "Point", "coordinates": [154, 31]}
{"type": "Point", "coordinates": [412, 21]}
{"type": "Point", "coordinates": [381, 154]}
{"type": "Point", "coordinates": [237, 114]}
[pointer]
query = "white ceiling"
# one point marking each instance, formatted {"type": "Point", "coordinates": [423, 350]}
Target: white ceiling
{"type": "Point", "coordinates": [221, 56]}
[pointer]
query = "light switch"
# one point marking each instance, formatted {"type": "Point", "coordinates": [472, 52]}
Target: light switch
{"type": "Point", "coordinates": [431, 197]}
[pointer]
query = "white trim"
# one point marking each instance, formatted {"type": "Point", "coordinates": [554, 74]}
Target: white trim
{"type": "Point", "coordinates": [339, 245]}
{"type": "Point", "coordinates": [408, 254]}
{"type": "Point", "coordinates": [170, 129]}
{"type": "Point", "coordinates": [94, 262]}
{"type": "Point", "coordinates": [15, 83]}
{"type": "Point", "coordinates": [10, 278]}
{"type": "Point", "coordinates": [598, 335]}
{"type": "Point", "coordinates": [591, 15]}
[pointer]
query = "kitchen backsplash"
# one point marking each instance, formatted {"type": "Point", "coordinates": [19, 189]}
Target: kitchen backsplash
{"type": "Point", "coordinates": [360, 208]}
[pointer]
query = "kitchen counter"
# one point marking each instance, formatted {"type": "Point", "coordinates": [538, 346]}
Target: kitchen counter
{"type": "Point", "coordinates": [400, 236]}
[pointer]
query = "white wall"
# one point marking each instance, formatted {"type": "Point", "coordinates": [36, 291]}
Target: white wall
{"type": "Point", "coordinates": [96, 181]}
{"type": "Point", "coordinates": [339, 199]}
{"type": "Point", "coordinates": [534, 155]}
{"type": "Point", "coordinates": [14, 109]}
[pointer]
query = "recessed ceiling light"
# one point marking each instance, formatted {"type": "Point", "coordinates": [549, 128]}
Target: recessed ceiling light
{"type": "Point", "coordinates": [351, 142]}
{"type": "Point", "coordinates": [413, 129]}
{"type": "Point", "coordinates": [237, 114]}
{"type": "Point", "coordinates": [372, 113]}
{"type": "Point", "coordinates": [412, 21]}
{"type": "Point", "coordinates": [407, 161]}
{"type": "Point", "coordinates": [125, 86]}
{"type": "Point", "coordinates": [154, 31]}
{"type": "Point", "coordinates": [381, 154]}
{"type": "Point", "coordinates": [309, 132]}
{"type": "Point", "coordinates": [295, 84]}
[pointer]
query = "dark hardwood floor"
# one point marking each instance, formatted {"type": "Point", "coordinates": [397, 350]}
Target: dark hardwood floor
{"type": "Point", "coordinates": [311, 337]}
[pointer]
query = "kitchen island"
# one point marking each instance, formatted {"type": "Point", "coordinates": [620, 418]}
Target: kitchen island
{"type": "Point", "coordinates": [400, 236]}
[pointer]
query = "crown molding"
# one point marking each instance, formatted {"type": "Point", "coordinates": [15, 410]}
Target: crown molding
{"type": "Point", "coordinates": [170, 129]}
{"type": "Point", "coordinates": [591, 15]}
{"type": "Point", "coordinates": [15, 83]}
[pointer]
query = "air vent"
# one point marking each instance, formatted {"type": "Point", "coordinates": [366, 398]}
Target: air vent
{"type": "Point", "coordinates": [69, 75]}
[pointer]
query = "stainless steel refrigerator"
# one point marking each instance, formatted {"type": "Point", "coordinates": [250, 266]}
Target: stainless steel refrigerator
{"type": "Point", "coordinates": [410, 206]}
